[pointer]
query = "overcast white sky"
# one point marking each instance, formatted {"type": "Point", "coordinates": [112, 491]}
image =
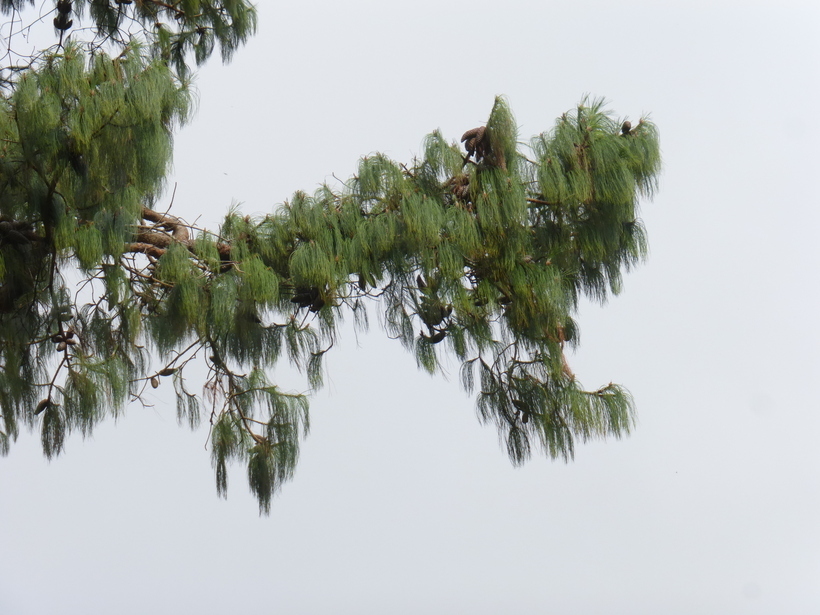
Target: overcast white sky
{"type": "Point", "coordinates": [402, 502]}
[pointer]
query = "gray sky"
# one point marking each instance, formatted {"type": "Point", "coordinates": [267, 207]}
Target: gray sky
{"type": "Point", "coordinates": [402, 502]}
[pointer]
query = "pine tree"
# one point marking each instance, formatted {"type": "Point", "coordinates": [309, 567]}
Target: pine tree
{"type": "Point", "coordinates": [482, 253]}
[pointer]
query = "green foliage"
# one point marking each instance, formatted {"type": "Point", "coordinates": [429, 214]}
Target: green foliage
{"type": "Point", "coordinates": [174, 31]}
{"type": "Point", "coordinates": [483, 256]}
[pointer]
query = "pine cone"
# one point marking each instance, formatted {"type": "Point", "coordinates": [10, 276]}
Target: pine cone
{"type": "Point", "coordinates": [475, 142]}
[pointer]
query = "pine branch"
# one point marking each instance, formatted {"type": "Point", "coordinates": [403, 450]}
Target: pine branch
{"type": "Point", "coordinates": [484, 261]}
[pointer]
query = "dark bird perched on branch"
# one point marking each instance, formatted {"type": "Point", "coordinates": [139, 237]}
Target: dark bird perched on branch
{"type": "Point", "coordinates": [626, 127]}
{"type": "Point", "coordinates": [62, 21]}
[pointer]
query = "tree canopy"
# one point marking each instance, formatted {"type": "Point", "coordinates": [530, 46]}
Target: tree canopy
{"type": "Point", "coordinates": [482, 253]}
